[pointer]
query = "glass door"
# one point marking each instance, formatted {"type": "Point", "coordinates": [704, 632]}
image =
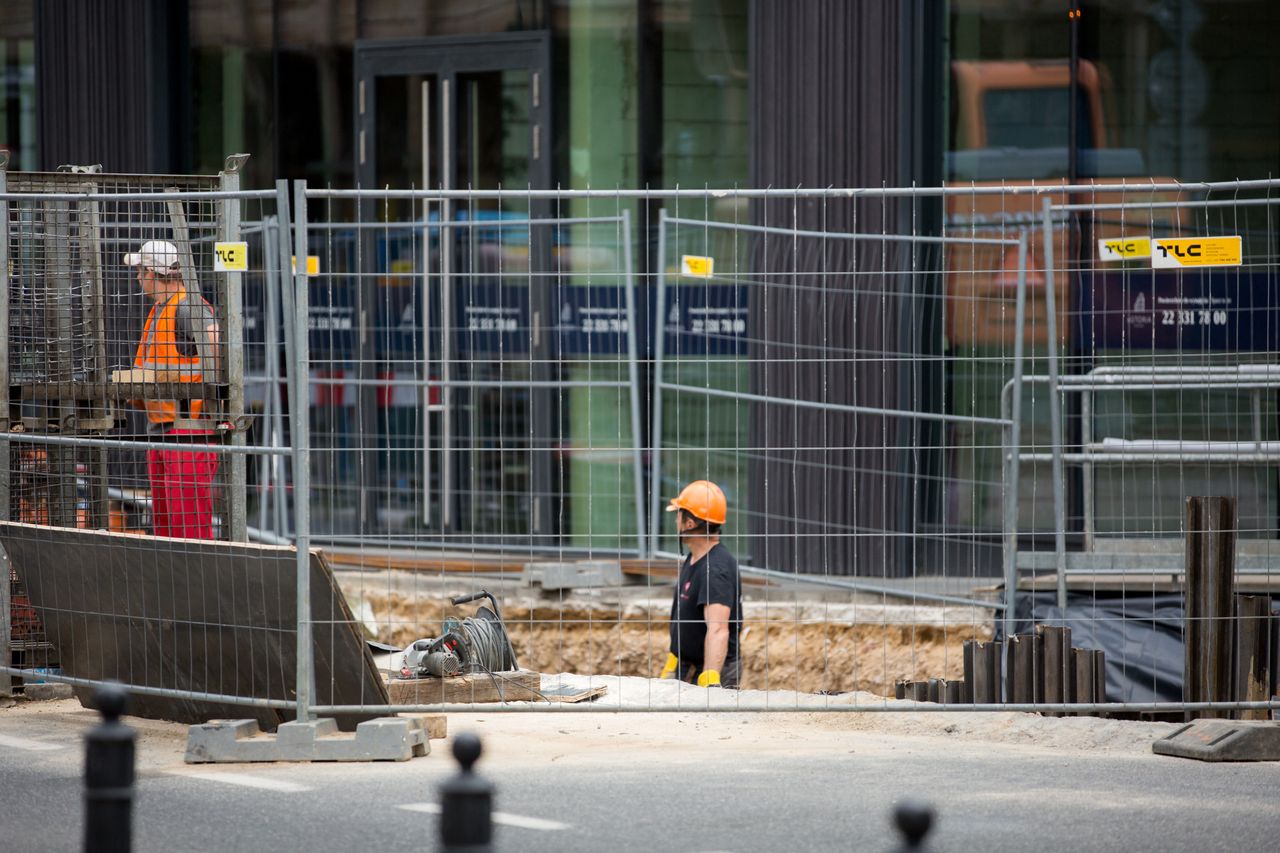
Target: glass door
{"type": "Point", "coordinates": [467, 456]}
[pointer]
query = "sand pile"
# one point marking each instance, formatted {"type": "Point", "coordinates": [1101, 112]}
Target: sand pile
{"type": "Point", "coordinates": [809, 648]}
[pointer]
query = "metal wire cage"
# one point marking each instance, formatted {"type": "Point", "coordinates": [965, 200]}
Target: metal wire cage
{"type": "Point", "coordinates": [72, 311]}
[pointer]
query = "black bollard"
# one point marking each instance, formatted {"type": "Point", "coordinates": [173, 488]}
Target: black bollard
{"type": "Point", "coordinates": [914, 820]}
{"type": "Point", "coordinates": [466, 803]}
{"type": "Point", "coordinates": [108, 776]}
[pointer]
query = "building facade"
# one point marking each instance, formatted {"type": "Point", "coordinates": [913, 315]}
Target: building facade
{"type": "Point", "coordinates": [662, 94]}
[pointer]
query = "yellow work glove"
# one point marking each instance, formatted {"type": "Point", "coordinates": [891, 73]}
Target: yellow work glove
{"type": "Point", "coordinates": [709, 678]}
{"type": "Point", "coordinates": [669, 671]}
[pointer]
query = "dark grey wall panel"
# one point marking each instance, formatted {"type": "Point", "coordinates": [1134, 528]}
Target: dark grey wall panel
{"type": "Point", "coordinates": [112, 78]}
{"type": "Point", "coordinates": [838, 320]}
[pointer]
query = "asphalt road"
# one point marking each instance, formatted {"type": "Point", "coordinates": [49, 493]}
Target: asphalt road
{"type": "Point", "coordinates": [654, 782]}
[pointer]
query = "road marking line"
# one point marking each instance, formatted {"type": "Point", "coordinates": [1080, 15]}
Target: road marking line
{"type": "Point", "coordinates": [30, 745]}
{"type": "Point", "coordinates": [504, 818]}
{"type": "Point", "coordinates": [527, 822]}
{"type": "Point", "coordinates": [245, 780]}
{"type": "Point", "coordinates": [425, 808]}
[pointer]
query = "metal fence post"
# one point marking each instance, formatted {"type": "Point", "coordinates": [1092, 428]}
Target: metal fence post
{"type": "Point", "coordinates": [6, 626]}
{"type": "Point", "coordinates": [233, 308]}
{"type": "Point", "coordinates": [6, 680]}
{"type": "Point", "coordinates": [446, 311]}
{"type": "Point", "coordinates": [1012, 466]}
{"type": "Point", "coordinates": [633, 373]}
{"type": "Point", "coordinates": [280, 246]}
{"type": "Point", "coordinates": [270, 356]}
{"type": "Point", "coordinates": [1055, 410]}
{"type": "Point", "coordinates": [659, 350]}
{"type": "Point", "coordinates": [108, 777]}
{"type": "Point", "coordinates": [301, 443]}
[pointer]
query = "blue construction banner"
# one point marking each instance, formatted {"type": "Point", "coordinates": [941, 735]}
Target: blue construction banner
{"type": "Point", "coordinates": [1226, 309]}
{"type": "Point", "coordinates": [706, 319]}
{"type": "Point", "coordinates": [492, 320]}
{"type": "Point", "coordinates": [593, 321]}
{"type": "Point", "coordinates": [397, 331]}
{"type": "Point", "coordinates": [331, 320]}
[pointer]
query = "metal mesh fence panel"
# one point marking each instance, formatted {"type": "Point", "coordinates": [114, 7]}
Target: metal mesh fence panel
{"type": "Point", "coordinates": [126, 438]}
{"type": "Point", "coordinates": [1164, 384]}
{"type": "Point", "coordinates": [955, 436]}
{"type": "Point", "coordinates": [854, 368]}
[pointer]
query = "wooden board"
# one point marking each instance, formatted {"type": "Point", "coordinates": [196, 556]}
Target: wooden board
{"type": "Point", "coordinates": [476, 687]}
{"type": "Point", "coordinates": [206, 617]}
{"type": "Point", "coordinates": [415, 562]}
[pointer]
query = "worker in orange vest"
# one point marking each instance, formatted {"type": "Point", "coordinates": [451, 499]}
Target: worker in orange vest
{"type": "Point", "coordinates": [181, 339]}
{"type": "Point", "coordinates": [706, 610]}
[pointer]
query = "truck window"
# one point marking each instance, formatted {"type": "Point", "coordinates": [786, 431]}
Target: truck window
{"type": "Point", "coordinates": [1034, 118]}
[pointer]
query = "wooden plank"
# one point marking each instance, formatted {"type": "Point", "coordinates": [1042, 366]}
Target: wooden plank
{"type": "Point", "coordinates": [121, 389]}
{"type": "Point", "coordinates": [475, 687]}
{"type": "Point", "coordinates": [416, 562]}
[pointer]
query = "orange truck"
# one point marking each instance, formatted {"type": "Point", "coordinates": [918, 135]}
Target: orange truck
{"type": "Point", "coordinates": [1009, 119]}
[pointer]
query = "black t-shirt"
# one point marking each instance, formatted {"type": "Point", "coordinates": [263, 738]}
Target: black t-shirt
{"type": "Point", "coordinates": [712, 580]}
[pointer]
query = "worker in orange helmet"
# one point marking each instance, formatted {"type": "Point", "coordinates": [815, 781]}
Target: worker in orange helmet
{"type": "Point", "coordinates": [706, 611]}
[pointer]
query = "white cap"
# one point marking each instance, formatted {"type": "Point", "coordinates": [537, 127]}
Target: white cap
{"type": "Point", "coordinates": [155, 255]}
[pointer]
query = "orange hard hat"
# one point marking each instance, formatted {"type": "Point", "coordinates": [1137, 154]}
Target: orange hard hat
{"type": "Point", "coordinates": [701, 499]}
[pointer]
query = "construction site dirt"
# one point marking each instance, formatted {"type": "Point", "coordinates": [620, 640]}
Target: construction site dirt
{"type": "Point", "coordinates": [804, 643]}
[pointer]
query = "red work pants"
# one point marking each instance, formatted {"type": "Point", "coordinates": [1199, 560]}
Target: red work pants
{"type": "Point", "coordinates": [182, 491]}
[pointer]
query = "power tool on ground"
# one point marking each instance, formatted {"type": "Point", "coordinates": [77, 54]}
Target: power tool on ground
{"type": "Point", "coordinates": [478, 643]}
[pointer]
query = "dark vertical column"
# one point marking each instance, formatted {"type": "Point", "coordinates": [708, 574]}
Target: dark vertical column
{"type": "Point", "coordinates": [1090, 676]}
{"type": "Point", "coordinates": [1059, 677]}
{"type": "Point", "coordinates": [364, 97]}
{"type": "Point", "coordinates": [827, 107]}
{"type": "Point", "coordinates": [1210, 579]}
{"type": "Point", "coordinates": [921, 138]}
{"type": "Point", "coordinates": [111, 76]}
{"type": "Point", "coordinates": [1253, 663]}
{"type": "Point", "coordinates": [649, 126]}
{"type": "Point", "coordinates": [548, 406]}
{"type": "Point", "coordinates": [986, 673]}
{"type": "Point", "coordinates": [1024, 672]}
{"type": "Point", "coordinates": [969, 651]}
{"type": "Point", "coordinates": [649, 91]}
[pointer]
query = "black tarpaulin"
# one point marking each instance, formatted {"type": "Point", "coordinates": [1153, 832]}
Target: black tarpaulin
{"type": "Point", "coordinates": [1141, 636]}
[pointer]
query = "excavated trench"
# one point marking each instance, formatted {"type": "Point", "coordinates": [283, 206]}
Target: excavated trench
{"type": "Point", "coordinates": [808, 648]}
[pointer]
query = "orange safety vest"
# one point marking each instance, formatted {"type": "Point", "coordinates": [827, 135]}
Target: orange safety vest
{"type": "Point", "coordinates": [158, 350]}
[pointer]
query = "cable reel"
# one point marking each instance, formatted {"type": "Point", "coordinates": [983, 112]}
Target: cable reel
{"type": "Point", "coordinates": [478, 643]}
